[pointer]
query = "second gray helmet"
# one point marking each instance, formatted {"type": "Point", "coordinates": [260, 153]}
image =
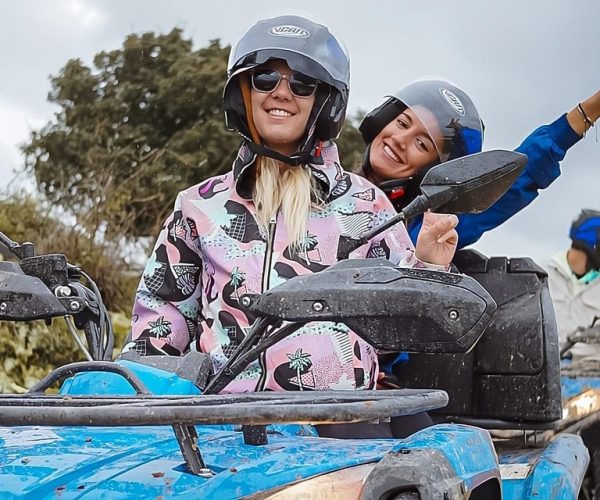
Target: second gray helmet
{"type": "Point", "coordinates": [458, 120]}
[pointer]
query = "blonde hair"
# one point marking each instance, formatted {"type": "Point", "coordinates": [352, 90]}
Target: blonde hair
{"type": "Point", "coordinates": [294, 190]}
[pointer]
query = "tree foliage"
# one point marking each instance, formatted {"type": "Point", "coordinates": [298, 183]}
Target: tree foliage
{"type": "Point", "coordinates": [350, 144]}
{"type": "Point", "coordinates": [144, 123]}
{"type": "Point", "coordinates": [26, 219]}
{"type": "Point", "coordinates": [29, 350]}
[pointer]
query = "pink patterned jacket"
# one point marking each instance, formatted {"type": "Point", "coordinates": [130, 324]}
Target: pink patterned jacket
{"type": "Point", "coordinates": [211, 251]}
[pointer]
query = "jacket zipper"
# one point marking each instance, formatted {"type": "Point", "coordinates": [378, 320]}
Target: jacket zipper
{"type": "Point", "coordinates": [266, 278]}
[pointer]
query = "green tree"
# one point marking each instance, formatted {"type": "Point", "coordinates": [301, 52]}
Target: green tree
{"type": "Point", "coordinates": [350, 144]}
{"type": "Point", "coordinates": [144, 123]}
{"type": "Point", "coordinates": [29, 350]}
{"type": "Point", "coordinates": [23, 218]}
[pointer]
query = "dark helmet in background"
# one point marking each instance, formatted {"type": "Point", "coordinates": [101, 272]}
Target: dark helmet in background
{"type": "Point", "coordinates": [585, 234]}
{"type": "Point", "coordinates": [306, 47]}
{"type": "Point", "coordinates": [458, 119]}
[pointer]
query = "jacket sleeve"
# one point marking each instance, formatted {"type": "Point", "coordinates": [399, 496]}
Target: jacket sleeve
{"type": "Point", "coordinates": [545, 147]}
{"type": "Point", "coordinates": [166, 304]}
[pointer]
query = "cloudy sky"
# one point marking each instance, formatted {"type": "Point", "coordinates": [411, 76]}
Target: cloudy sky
{"type": "Point", "coordinates": [524, 62]}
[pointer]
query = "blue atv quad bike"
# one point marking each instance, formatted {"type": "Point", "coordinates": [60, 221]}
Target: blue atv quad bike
{"type": "Point", "coordinates": [484, 356]}
{"type": "Point", "coordinates": [581, 396]}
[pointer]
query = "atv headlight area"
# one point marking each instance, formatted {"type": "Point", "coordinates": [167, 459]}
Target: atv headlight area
{"type": "Point", "coordinates": [345, 484]}
{"type": "Point", "coordinates": [582, 405]}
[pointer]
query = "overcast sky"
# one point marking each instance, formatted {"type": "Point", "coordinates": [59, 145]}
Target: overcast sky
{"type": "Point", "coordinates": [524, 63]}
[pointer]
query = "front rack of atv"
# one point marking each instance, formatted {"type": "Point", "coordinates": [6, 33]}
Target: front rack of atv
{"type": "Point", "coordinates": [259, 408]}
{"type": "Point", "coordinates": [254, 411]}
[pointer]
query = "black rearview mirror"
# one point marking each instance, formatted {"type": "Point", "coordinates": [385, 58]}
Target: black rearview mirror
{"type": "Point", "coordinates": [470, 184]}
{"type": "Point", "coordinates": [466, 185]}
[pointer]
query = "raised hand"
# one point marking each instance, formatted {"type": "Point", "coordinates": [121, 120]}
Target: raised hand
{"type": "Point", "coordinates": [437, 238]}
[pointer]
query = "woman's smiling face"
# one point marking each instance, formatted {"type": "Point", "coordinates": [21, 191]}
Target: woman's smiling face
{"type": "Point", "coordinates": [405, 145]}
{"type": "Point", "coordinates": [280, 116]}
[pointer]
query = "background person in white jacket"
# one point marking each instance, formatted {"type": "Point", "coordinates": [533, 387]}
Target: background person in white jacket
{"type": "Point", "coordinates": [574, 281]}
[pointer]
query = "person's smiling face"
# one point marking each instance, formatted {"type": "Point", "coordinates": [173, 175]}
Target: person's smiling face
{"type": "Point", "coordinates": [405, 146]}
{"type": "Point", "coordinates": [280, 116]}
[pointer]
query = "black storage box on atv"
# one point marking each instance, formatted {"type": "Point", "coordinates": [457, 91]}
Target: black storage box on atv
{"type": "Point", "coordinates": [513, 373]}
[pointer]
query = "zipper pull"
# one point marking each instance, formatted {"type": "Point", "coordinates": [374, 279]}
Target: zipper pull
{"type": "Point", "coordinates": [271, 229]}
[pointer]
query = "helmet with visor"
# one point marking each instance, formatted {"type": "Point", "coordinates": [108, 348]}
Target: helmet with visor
{"type": "Point", "coordinates": [459, 130]}
{"type": "Point", "coordinates": [320, 65]}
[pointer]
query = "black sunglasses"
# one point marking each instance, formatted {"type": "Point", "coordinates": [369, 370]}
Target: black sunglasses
{"type": "Point", "coordinates": [267, 80]}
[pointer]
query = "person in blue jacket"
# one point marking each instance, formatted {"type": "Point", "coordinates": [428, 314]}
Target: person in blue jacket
{"type": "Point", "coordinates": [432, 121]}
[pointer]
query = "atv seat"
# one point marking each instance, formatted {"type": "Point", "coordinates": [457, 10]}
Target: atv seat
{"type": "Point", "coordinates": [194, 366]}
{"type": "Point", "coordinates": [511, 379]}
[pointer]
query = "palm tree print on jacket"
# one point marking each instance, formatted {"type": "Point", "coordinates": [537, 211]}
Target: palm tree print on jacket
{"type": "Point", "coordinates": [160, 328]}
{"type": "Point", "coordinates": [300, 361]}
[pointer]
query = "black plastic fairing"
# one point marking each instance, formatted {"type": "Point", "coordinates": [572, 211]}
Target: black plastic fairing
{"type": "Point", "coordinates": [25, 298]}
{"type": "Point", "coordinates": [394, 309]}
{"type": "Point", "coordinates": [513, 374]}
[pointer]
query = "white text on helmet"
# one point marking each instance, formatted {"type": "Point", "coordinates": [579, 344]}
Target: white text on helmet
{"type": "Point", "coordinates": [453, 101]}
{"type": "Point", "coordinates": [289, 30]}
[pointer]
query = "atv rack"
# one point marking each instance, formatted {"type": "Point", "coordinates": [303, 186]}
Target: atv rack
{"type": "Point", "coordinates": [253, 410]}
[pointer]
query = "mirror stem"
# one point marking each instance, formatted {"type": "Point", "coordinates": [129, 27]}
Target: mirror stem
{"type": "Point", "coordinates": [418, 206]}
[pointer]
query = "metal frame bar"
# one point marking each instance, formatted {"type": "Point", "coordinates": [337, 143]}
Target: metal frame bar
{"type": "Point", "coordinates": [254, 411]}
{"type": "Point", "coordinates": [187, 437]}
{"type": "Point", "coordinates": [251, 409]}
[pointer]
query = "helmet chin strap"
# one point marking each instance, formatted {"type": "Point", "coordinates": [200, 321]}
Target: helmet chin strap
{"type": "Point", "coordinates": [300, 158]}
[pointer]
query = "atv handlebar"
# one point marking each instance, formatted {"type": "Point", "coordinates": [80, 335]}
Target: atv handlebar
{"type": "Point", "coordinates": [586, 335]}
{"type": "Point", "coordinates": [47, 286]}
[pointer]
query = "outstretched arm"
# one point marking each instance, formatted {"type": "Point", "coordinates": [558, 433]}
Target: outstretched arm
{"type": "Point", "coordinates": [545, 148]}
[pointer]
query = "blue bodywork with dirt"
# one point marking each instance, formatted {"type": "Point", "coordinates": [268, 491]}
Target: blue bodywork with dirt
{"type": "Point", "coordinates": [555, 471]}
{"type": "Point", "coordinates": [124, 462]}
{"type": "Point", "coordinates": [127, 462]}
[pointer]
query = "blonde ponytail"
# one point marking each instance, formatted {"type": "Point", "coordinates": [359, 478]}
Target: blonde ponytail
{"type": "Point", "coordinates": [293, 190]}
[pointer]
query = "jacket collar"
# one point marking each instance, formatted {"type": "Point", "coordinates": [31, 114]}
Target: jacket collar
{"type": "Point", "coordinates": [325, 168]}
{"type": "Point", "coordinates": [559, 262]}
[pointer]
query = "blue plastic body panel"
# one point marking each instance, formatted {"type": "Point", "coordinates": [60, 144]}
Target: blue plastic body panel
{"type": "Point", "coordinates": [573, 386]}
{"type": "Point", "coordinates": [146, 462]}
{"type": "Point", "coordinates": [157, 381]}
{"type": "Point", "coordinates": [552, 472]}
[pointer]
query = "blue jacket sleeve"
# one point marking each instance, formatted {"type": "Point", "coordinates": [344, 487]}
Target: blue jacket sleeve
{"type": "Point", "coordinates": [545, 147]}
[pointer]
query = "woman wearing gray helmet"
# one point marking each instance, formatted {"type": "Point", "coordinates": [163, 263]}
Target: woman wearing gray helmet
{"type": "Point", "coordinates": [279, 213]}
{"type": "Point", "coordinates": [431, 121]}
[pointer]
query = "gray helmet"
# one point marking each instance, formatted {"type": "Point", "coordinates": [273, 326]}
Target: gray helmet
{"type": "Point", "coordinates": [456, 115]}
{"type": "Point", "coordinates": [306, 47]}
